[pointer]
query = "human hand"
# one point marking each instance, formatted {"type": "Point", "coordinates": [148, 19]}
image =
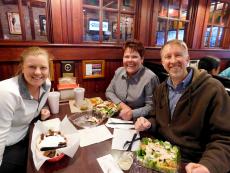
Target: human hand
{"type": "Point", "coordinates": [45, 113]}
{"type": "Point", "coordinates": [124, 106]}
{"type": "Point", "coordinates": [142, 124]}
{"type": "Point", "coordinates": [196, 168]}
{"type": "Point", "coordinates": [126, 114]}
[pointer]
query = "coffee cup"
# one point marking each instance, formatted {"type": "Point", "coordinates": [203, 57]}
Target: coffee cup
{"type": "Point", "coordinates": [79, 94]}
{"type": "Point", "coordinates": [53, 100]}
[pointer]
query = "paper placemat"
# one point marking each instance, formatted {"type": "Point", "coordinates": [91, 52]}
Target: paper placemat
{"type": "Point", "coordinates": [120, 136]}
{"type": "Point", "coordinates": [94, 135]}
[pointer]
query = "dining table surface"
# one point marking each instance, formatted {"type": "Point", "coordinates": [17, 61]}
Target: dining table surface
{"type": "Point", "coordinates": [85, 158]}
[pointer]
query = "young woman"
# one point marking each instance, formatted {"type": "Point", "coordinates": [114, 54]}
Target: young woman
{"type": "Point", "coordinates": [22, 99]}
{"type": "Point", "coordinates": [133, 84]}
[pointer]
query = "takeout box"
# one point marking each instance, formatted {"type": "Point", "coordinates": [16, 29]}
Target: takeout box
{"type": "Point", "coordinates": [65, 127]}
{"type": "Point", "coordinates": [66, 86]}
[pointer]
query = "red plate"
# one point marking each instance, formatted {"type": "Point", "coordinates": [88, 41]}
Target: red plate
{"type": "Point", "coordinates": [57, 158]}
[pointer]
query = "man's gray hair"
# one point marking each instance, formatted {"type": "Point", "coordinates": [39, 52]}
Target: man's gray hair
{"type": "Point", "coordinates": [175, 42]}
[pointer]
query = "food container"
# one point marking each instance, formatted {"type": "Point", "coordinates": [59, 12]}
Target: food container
{"type": "Point", "coordinates": [106, 109]}
{"type": "Point", "coordinates": [66, 128]}
{"type": "Point", "coordinates": [158, 155]}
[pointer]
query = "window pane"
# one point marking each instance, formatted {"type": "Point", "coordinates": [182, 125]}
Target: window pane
{"type": "Point", "coordinates": [91, 2]}
{"type": "Point", "coordinates": [11, 26]}
{"type": "Point", "coordinates": [184, 10]}
{"type": "Point", "coordinates": [127, 27]}
{"type": "Point", "coordinates": [207, 34]}
{"type": "Point", "coordinates": [91, 25]}
{"type": "Point", "coordinates": [213, 36]}
{"type": "Point", "coordinates": [220, 36]}
{"type": "Point", "coordinates": [161, 29]}
{"type": "Point", "coordinates": [172, 25]}
{"type": "Point", "coordinates": [163, 8]}
{"type": "Point", "coordinates": [110, 4]}
{"type": "Point", "coordinates": [217, 17]}
{"type": "Point", "coordinates": [219, 6]}
{"type": "Point", "coordinates": [172, 30]}
{"type": "Point", "coordinates": [110, 26]}
{"type": "Point", "coordinates": [174, 8]}
{"type": "Point", "coordinates": [210, 17]}
{"type": "Point", "coordinates": [128, 5]}
{"type": "Point", "coordinates": [212, 7]}
{"type": "Point", "coordinates": [181, 30]}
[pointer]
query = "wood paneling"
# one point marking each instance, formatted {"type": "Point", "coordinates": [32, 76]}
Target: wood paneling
{"type": "Point", "coordinates": [66, 30]}
{"type": "Point", "coordinates": [57, 25]}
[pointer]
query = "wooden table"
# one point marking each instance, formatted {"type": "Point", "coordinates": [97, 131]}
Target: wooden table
{"type": "Point", "coordinates": [84, 160]}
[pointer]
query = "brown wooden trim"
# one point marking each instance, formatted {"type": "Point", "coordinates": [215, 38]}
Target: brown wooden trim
{"type": "Point", "coordinates": [64, 22]}
{"type": "Point", "coordinates": [57, 28]}
{"type": "Point", "coordinates": [1, 31]}
{"type": "Point", "coordinates": [77, 21]}
{"type": "Point", "coordinates": [31, 16]}
{"type": "Point", "coordinates": [80, 52]}
{"type": "Point", "coordinates": [49, 26]}
{"type": "Point", "coordinates": [154, 21]}
{"type": "Point", "coordinates": [145, 18]}
{"type": "Point", "coordinates": [22, 21]}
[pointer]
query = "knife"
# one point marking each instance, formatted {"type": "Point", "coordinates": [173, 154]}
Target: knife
{"type": "Point", "coordinates": [128, 123]}
{"type": "Point", "coordinates": [52, 148]}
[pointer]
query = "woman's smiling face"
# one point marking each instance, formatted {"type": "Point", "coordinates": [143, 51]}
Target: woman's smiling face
{"type": "Point", "coordinates": [132, 61]}
{"type": "Point", "coordinates": [35, 70]}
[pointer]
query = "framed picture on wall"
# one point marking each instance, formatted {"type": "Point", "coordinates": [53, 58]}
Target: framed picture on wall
{"type": "Point", "coordinates": [42, 23]}
{"type": "Point", "coordinates": [126, 2]}
{"type": "Point", "coordinates": [14, 23]}
{"type": "Point", "coordinates": [93, 69]}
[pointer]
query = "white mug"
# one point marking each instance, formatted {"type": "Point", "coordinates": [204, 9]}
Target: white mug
{"type": "Point", "coordinates": [53, 100]}
{"type": "Point", "coordinates": [79, 94]}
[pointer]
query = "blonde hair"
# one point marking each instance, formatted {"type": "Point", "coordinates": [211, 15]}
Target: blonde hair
{"type": "Point", "coordinates": [180, 43]}
{"type": "Point", "coordinates": [31, 51]}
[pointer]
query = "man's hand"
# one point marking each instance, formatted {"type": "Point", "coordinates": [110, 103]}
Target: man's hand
{"type": "Point", "coordinates": [45, 113]}
{"type": "Point", "coordinates": [126, 114]}
{"type": "Point", "coordinates": [142, 124]}
{"type": "Point", "coordinates": [196, 168]}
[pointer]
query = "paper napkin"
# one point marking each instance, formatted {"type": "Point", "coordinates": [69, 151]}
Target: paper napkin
{"type": "Point", "coordinates": [94, 135]}
{"type": "Point", "coordinates": [108, 164]}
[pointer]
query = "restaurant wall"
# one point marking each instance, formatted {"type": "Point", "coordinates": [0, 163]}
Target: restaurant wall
{"type": "Point", "coordinates": [112, 55]}
{"type": "Point", "coordinates": [66, 43]}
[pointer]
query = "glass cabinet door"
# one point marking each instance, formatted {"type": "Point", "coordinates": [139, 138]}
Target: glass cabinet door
{"type": "Point", "coordinates": [108, 21]}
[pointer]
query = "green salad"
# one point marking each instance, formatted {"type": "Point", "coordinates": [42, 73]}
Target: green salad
{"type": "Point", "coordinates": [158, 155]}
{"type": "Point", "coordinates": [106, 109]}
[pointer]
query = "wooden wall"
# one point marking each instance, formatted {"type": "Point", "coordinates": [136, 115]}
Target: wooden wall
{"type": "Point", "coordinates": [111, 54]}
{"type": "Point", "coordinates": [65, 43]}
